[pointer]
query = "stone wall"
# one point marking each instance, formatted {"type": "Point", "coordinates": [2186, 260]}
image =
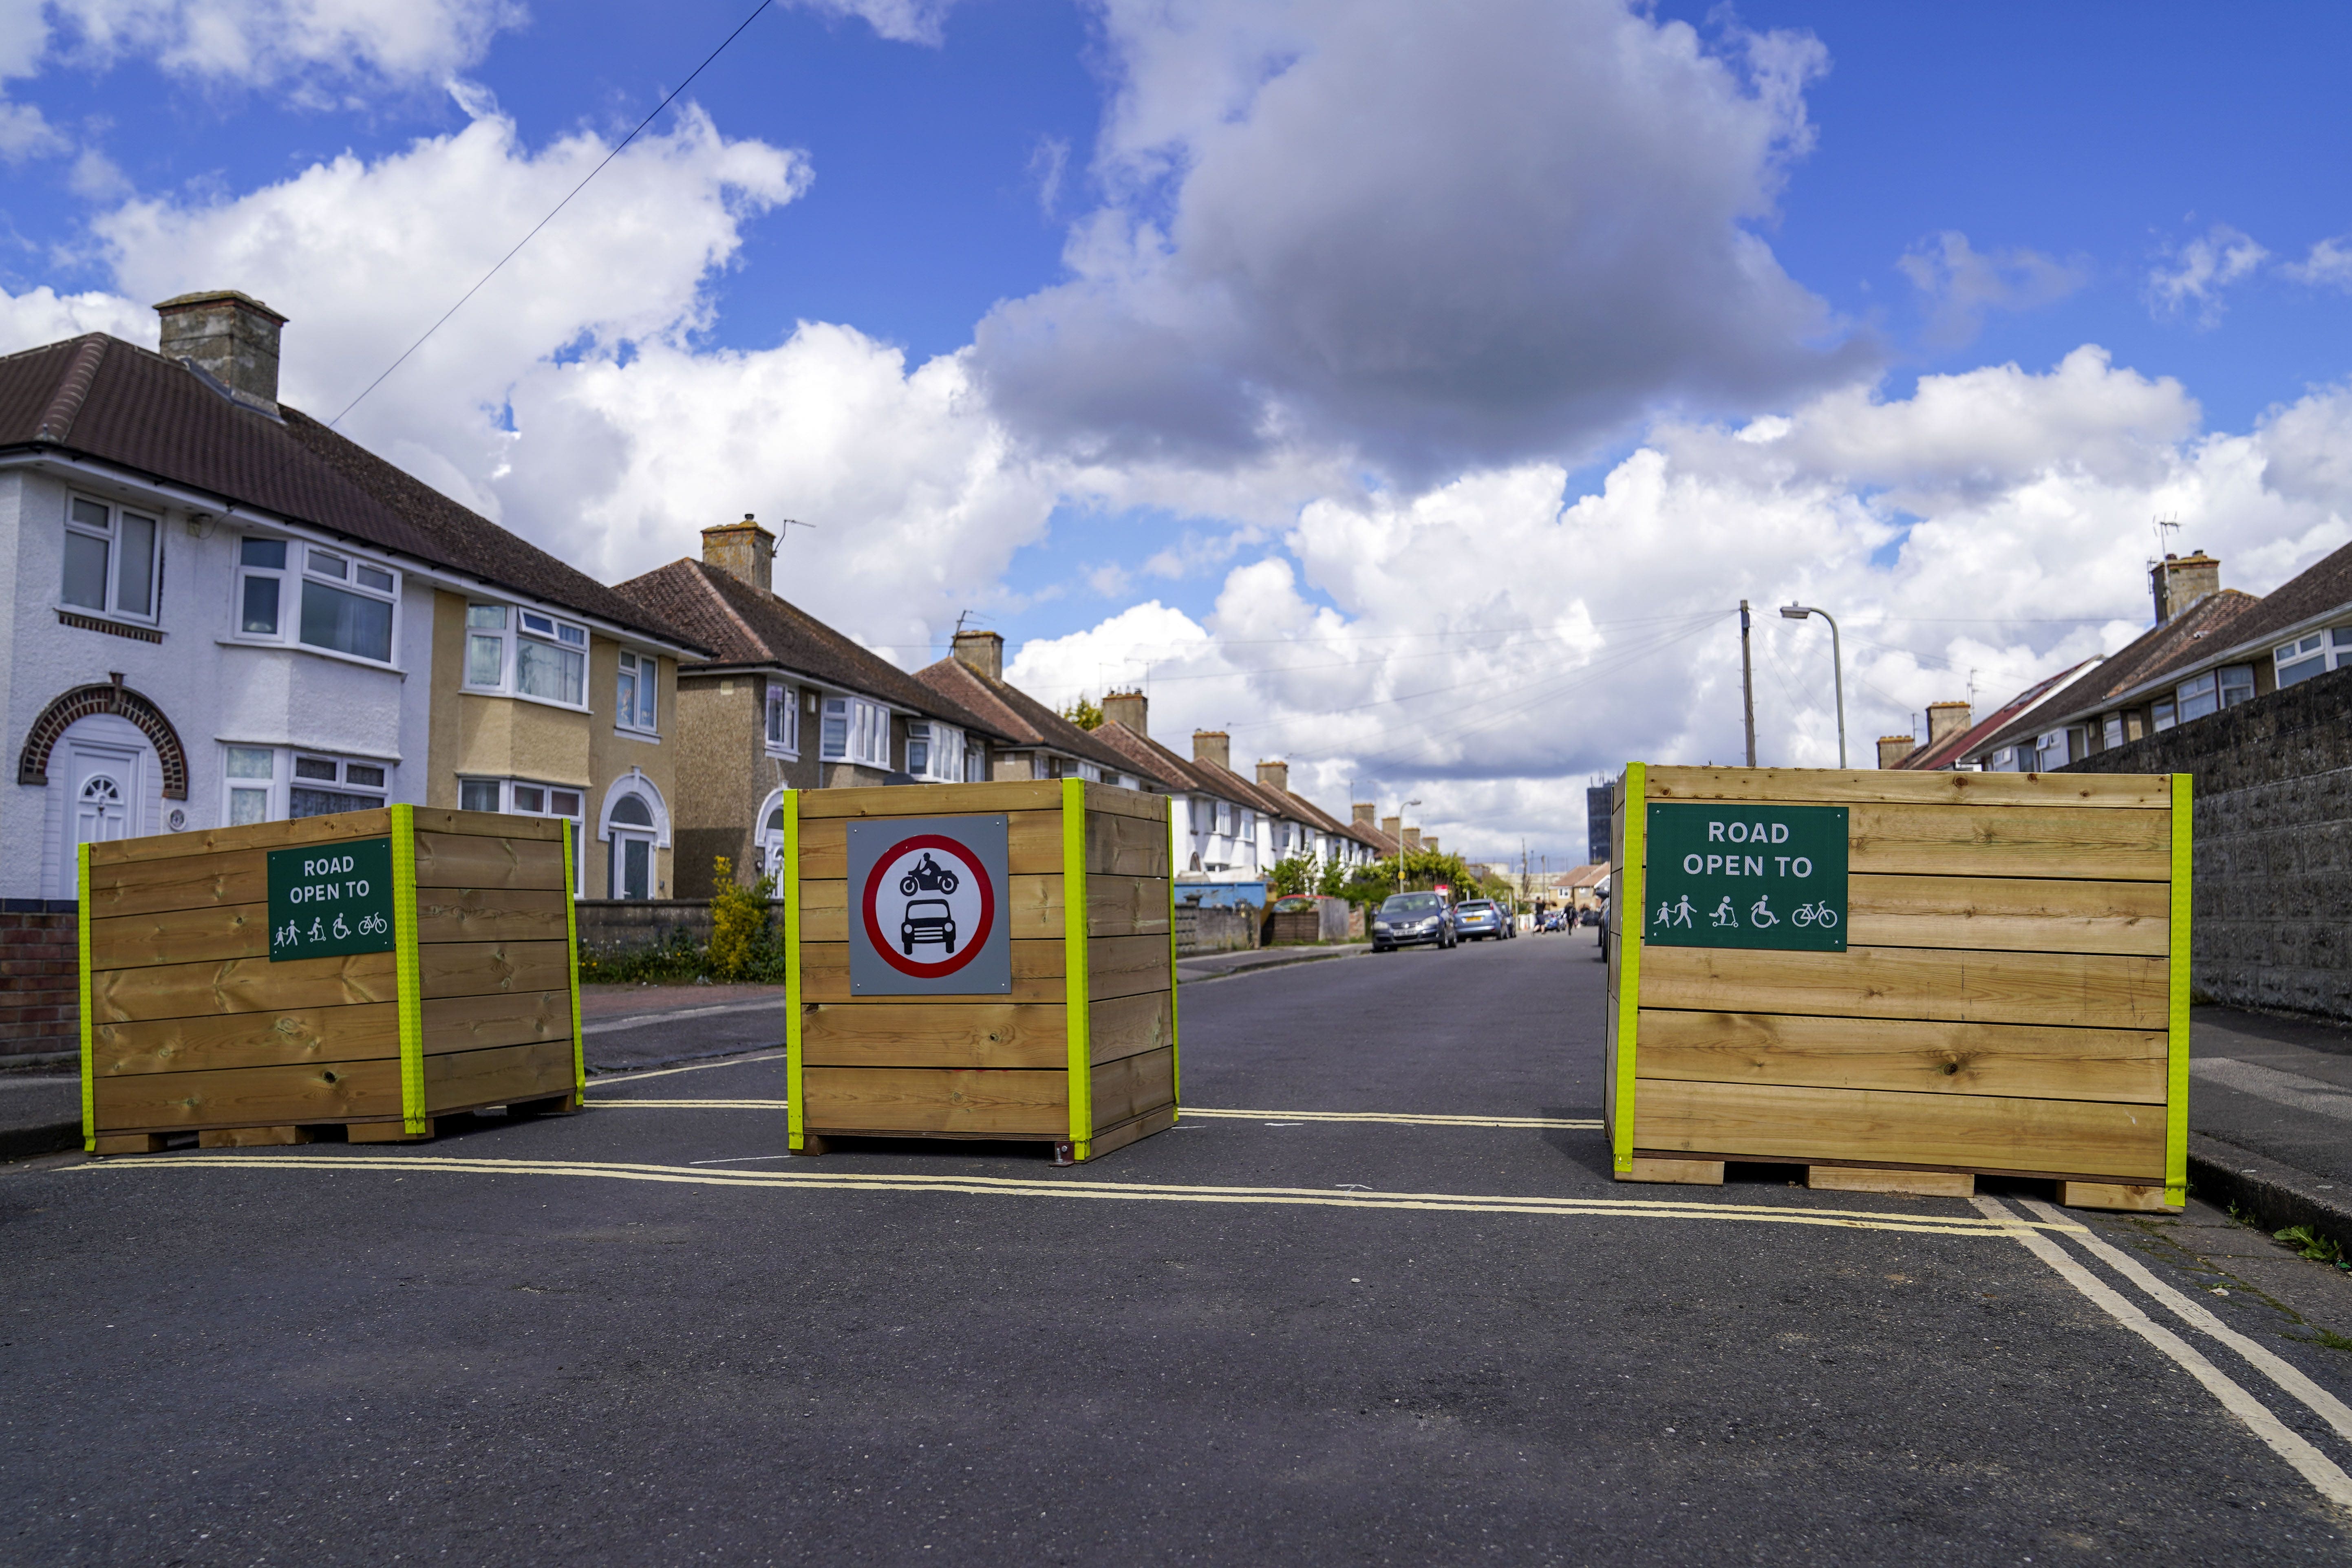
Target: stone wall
{"type": "Point", "coordinates": [1208, 928]}
{"type": "Point", "coordinates": [2272, 912]}
{"type": "Point", "coordinates": [610, 927]}
{"type": "Point", "coordinates": [40, 1001]}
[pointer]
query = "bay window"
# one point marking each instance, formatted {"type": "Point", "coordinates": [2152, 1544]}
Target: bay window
{"type": "Point", "coordinates": [633, 704]}
{"type": "Point", "coordinates": [527, 654]}
{"type": "Point", "coordinates": [935, 751]}
{"type": "Point", "coordinates": [2162, 714]}
{"type": "Point", "coordinates": [346, 606]}
{"type": "Point", "coordinates": [269, 784]}
{"type": "Point", "coordinates": [2312, 654]}
{"type": "Point", "coordinates": [111, 560]}
{"type": "Point", "coordinates": [855, 730]}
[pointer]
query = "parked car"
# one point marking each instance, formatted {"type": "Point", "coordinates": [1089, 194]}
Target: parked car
{"type": "Point", "coordinates": [1555, 920]}
{"type": "Point", "coordinates": [1479, 919]}
{"type": "Point", "coordinates": [1590, 916]}
{"type": "Point", "coordinates": [1409, 919]}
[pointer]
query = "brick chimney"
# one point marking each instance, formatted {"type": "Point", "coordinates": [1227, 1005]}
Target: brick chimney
{"type": "Point", "coordinates": [2179, 581]}
{"type": "Point", "coordinates": [1411, 839]}
{"type": "Point", "coordinates": [1430, 843]}
{"type": "Point", "coordinates": [1275, 776]}
{"type": "Point", "coordinates": [982, 653]}
{"type": "Point", "coordinates": [230, 337]}
{"type": "Point", "coordinates": [1893, 748]}
{"type": "Point", "coordinates": [1131, 708]}
{"type": "Point", "coordinates": [1394, 827]}
{"type": "Point", "coordinates": [744, 550]}
{"type": "Point", "coordinates": [1364, 818]}
{"type": "Point", "coordinates": [1946, 720]}
{"type": "Point", "coordinates": [1212, 746]}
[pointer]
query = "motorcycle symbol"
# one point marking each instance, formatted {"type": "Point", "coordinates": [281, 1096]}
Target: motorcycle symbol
{"type": "Point", "coordinates": [929, 877]}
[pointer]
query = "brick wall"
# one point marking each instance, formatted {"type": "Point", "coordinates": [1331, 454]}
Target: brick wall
{"type": "Point", "coordinates": [40, 1011]}
{"type": "Point", "coordinates": [610, 927]}
{"type": "Point", "coordinates": [2274, 844]}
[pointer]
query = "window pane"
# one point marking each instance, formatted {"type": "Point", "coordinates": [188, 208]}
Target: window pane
{"type": "Point", "coordinates": [477, 794]}
{"type": "Point", "coordinates": [270, 552]}
{"type": "Point", "coordinates": [2300, 670]}
{"type": "Point", "coordinates": [625, 707]}
{"type": "Point", "coordinates": [347, 622]}
{"type": "Point", "coordinates": [563, 802]}
{"type": "Point", "coordinates": [327, 566]}
{"type": "Point", "coordinates": [575, 636]}
{"type": "Point", "coordinates": [2236, 684]}
{"type": "Point", "coordinates": [260, 606]}
{"type": "Point", "coordinates": [90, 514]}
{"type": "Point", "coordinates": [647, 685]}
{"type": "Point", "coordinates": [539, 624]}
{"type": "Point", "coordinates": [2162, 714]}
{"type": "Point", "coordinates": [918, 756]}
{"type": "Point", "coordinates": [835, 733]}
{"type": "Point", "coordinates": [486, 661]}
{"type": "Point", "coordinates": [134, 586]}
{"type": "Point", "coordinates": [374, 578]}
{"type": "Point", "coordinates": [554, 673]}
{"type": "Point", "coordinates": [362, 774]}
{"type": "Point", "coordinates": [632, 811]}
{"type": "Point", "coordinates": [530, 797]}
{"type": "Point", "coordinates": [492, 616]}
{"type": "Point", "coordinates": [300, 802]}
{"type": "Point", "coordinates": [248, 805]}
{"type": "Point", "coordinates": [251, 763]}
{"type": "Point", "coordinates": [314, 768]}
{"type": "Point", "coordinates": [85, 571]}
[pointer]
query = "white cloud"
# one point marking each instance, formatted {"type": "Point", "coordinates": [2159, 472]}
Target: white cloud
{"type": "Point", "coordinates": [256, 43]}
{"type": "Point", "coordinates": [2193, 274]}
{"type": "Point", "coordinates": [2329, 264]}
{"type": "Point", "coordinates": [1963, 284]}
{"type": "Point", "coordinates": [1433, 234]}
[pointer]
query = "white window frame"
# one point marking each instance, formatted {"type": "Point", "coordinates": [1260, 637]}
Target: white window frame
{"type": "Point", "coordinates": [975, 759]}
{"type": "Point", "coordinates": [517, 628]}
{"type": "Point", "coordinates": [362, 577]}
{"type": "Point", "coordinates": [942, 748]}
{"type": "Point", "coordinates": [866, 731]}
{"type": "Point", "coordinates": [293, 768]}
{"type": "Point", "coordinates": [780, 722]}
{"type": "Point", "coordinates": [642, 671]}
{"type": "Point", "coordinates": [2163, 714]}
{"type": "Point", "coordinates": [110, 532]}
{"type": "Point", "coordinates": [2322, 650]}
{"type": "Point", "coordinates": [2203, 687]}
{"type": "Point", "coordinates": [514, 797]}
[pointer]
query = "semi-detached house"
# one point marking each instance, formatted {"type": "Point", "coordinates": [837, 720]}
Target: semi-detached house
{"type": "Point", "coordinates": [219, 611]}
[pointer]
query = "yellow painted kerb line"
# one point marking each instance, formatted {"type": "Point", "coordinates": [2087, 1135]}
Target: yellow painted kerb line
{"type": "Point", "coordinates": [405, 972]}
{"type": "Point", "coordinates": [2176, 1077]}
{"type": "Point", "coordinates": [1970, 1225]}
{"type": "Point", "coordinates": [1626, 926]}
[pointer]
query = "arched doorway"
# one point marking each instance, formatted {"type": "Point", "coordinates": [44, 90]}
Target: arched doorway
{"type": "Point", "coordinates": [102, 773]}
{"type": "Point", "coordinates": [768, 836]}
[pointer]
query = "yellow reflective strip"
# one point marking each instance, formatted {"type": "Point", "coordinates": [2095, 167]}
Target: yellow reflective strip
{"type": "Point", "coordinates": [571, 943]}
{"type": "Point", "coordinates": [1074, 963]}
{"type": "Point", "coordinates": [1175, 1049]}
{"type": "Point", "coordinates": [81, 949]}
{"type": "Point", "coordinates": [1627, 926]}
{"type": "Point", "coordinates": [789, 889]}
{"type": "Point", "coordinates": [2176, 1080]}
{"type": "Point", "coordinates": [404, 948]}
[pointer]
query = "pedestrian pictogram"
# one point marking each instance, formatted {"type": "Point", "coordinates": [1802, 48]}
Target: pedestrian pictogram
{"type": "Point", "coordinates": [927, 911]}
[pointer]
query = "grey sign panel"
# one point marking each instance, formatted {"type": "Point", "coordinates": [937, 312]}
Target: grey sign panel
{"type": "Point", "coordinates": [928, 907]}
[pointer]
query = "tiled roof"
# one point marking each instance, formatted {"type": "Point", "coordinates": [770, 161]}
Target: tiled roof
{"type": "Point", "coordinates": [742, 625]}
{"type": "Point", "coordinates": [114, 402]}
{"type": "Point", "coordinates": [1952, 749]}
{"type": "Point", "coordinates": [2319, 588]}
{"type": "Point", "coordinates": [1148, 756]}
{"type": "Point", "coordinates": [1024, 721]}
{"type": "Point", "coordinates": [2162, 649]}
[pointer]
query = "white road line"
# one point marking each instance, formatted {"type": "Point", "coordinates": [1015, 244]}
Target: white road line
{"type": "Point", "coordinates": [698, 1067]}
{"type": "Point", "coordinates": [2322, 1404]}
{"type": "Point", "coordinates": [640, 1020]}
{"type": "Point", "coordinates": [2291, 1089]}
{"type": "Point", "coordinates": [2310, 1463]}
{"type": "Point", "coordinates": [688, 1104]}
{"type": "Point", "coordinates": [1396, 1117]}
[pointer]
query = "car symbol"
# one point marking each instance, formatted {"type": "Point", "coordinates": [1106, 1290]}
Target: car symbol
{"type": "Point", "coordinates": [927, 920]}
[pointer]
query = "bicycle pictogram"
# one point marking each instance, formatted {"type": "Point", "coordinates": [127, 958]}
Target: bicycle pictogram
{"type": "Point", "coordinates": [1821, 914]}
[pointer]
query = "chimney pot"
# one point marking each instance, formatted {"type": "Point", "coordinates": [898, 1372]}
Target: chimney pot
{"type": "Point", "coordinates": [1131, 710]}
{"type": "Point", "coordinates": [230, 337]}
{"type": "Point", "coordinates": [744, 550]}
{"type": "Point", "coordinates": [982, 653]}
{"type": "Point", "coordinates": [1275, 776]}
{"type": "Point", "coordinates": [2179, 581]}
{"type": "Point", "coordinates": [1212, 746]}
{"type": "Point", "coordinates": [1364, 818]}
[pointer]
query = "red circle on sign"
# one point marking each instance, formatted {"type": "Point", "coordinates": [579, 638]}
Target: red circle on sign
{"type": "Point", "coordinates": [869, 904]}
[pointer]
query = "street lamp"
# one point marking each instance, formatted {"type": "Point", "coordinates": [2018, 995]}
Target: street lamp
{"type": "Point", "coordinates": [1837, 664]}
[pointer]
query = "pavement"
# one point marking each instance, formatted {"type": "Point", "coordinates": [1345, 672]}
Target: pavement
{"type": "Point", "coordinates": [1375, 1300]}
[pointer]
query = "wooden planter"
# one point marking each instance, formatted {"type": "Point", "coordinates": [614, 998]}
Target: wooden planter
{"type": "Point", "coordinates": [2013, 997]}
{"type": "Point", "coordinates": [189, 1025]}
{"type": "Point", "coordinates": [1079, 1051]}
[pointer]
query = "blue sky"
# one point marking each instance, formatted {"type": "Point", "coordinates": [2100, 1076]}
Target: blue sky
{"type": "Point", "coordinates": [1971, 188]}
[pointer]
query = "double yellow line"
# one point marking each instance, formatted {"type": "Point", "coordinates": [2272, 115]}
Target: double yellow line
{"type": "Point", "coordinates": [1395, 1118]}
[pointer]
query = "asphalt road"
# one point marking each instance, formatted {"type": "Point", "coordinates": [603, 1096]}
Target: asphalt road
{"type": "Point", "coordinates": [639, 1335]}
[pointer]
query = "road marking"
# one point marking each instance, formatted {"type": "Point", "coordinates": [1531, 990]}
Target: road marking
{"type": "Point", "coordinates": [698, 1067]}
{"type": "Point", "coordinates": [1010, 1187]}
{"type": "Point", "coordinates": [640, 1020]}
{"type": "Point", "coordinates": [1288, 1117]}
{"type": "Point", "coordinates": [2321, 1403]}
{"type": "Point", "coordinates": [688, 1104]}
{"type": "Point", "coordinates": [2313, 1465]}
{"type": "Point", "coordinates": [2288, 1089]}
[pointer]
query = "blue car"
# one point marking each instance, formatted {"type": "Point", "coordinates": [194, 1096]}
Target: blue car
{"type": "Point", "coordinates": [1479, 919]}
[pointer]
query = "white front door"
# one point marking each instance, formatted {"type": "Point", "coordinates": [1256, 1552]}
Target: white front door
{"type": "Point", "coordinates": [102, 798]}
{"type": "Point", "coordinates": [633, 865]}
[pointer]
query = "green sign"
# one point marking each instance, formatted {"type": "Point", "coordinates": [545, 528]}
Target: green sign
{"type": "Point", "coordinates": [1726, 874]}
{"type": "Point", "coordinates": [330, 899]}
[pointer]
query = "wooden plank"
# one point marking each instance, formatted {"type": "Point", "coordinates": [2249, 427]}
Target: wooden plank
{"type": "Point", "coordinates": [240, 985]}
{"type": "Point", "coordinates": [1133, 1085]}
{"type": "Point", "coordinates": [254, 1137]}
{"type": "Point", "coordinates": [965, 1102]}
{"type": "Point", "coordinates": [497, 1018]}
{"type": "Point", "coordinates": [2018, 914]}
{"type": "Point", "coordinates": [210, 932]}
{"type": "Point", "coordinates": [1113, 800]}
{"type": "Point", "coordinates": [916, 1033]}
{"type": "Point", "coordinates": [1969, 1132]}
{"type": "Point", "coordinates": [1999, 841]}
{"type": "Point", "coordinates": [325, 829]}
{"type": "Point", "coordinates": [1122, 1027]}
{"type": "Point", "coordinates": [394, 1131]}
{"type": "Point", "coordinates": [128, 1144]}
{"type": "Point", "coordinates": [484, 968]}
{"type": "Point", "coordinates": [248, 1097]}
{"type": "Point", "coordinates": [1128, 906]}
{"type": "Point", "coordinates": [2089, 990]}
{"type": "Point", "coordinates": [1033, 843]}
{"type": "Point", "coordinates": [469, 861]}
{"type": "Point", "coordinates": [2031, 1061]}
{"type": "Point", "coordinates": [1127, 966]}
{"type": "Point", "coordinates": [1878, 1179]}
{"type": "Point", "coordinates": [489, 914]}
{"type": "Point", "coordinates": [2129, 1196]}
{"type": "Point", "coordinates": [1126, 1132]}
{"type": "Point", "coordinates": [932, 800]}
{"type": "Point", "coordinates": [1678, 1173]}
{"type": "Point", "coordinates": [1121, 845]}
{"type": "Point", "coordinates": [1831, 786]}
{"type": "Point", "coordinates": [362, 1032]}
{"type": "Point", "coordinates": [184, 882]}
{"type": "Point", "coordinates": [1116, 966]}
{"type": "Point", "coordinates": [463, 1079]}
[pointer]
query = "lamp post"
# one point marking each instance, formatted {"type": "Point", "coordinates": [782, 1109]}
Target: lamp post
{"type": "Point", "coordinates": [1837, 664]}
{"type": "Point", "coordinates": [1403, 880]}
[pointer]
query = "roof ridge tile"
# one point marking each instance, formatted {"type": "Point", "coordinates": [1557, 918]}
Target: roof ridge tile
{"type": "Point", "coordinates": [73, 388]}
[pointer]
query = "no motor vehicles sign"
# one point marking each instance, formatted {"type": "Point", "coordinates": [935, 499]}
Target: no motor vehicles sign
{"type": "Point", "coordinates": [927, 907]}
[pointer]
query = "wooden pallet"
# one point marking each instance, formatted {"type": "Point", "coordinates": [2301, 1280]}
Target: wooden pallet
{"type": "Point", "coordinates": [383, 1129]}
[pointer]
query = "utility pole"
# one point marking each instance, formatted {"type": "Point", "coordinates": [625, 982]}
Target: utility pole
{"type": "Point", "coordinates": [1746, 683]}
